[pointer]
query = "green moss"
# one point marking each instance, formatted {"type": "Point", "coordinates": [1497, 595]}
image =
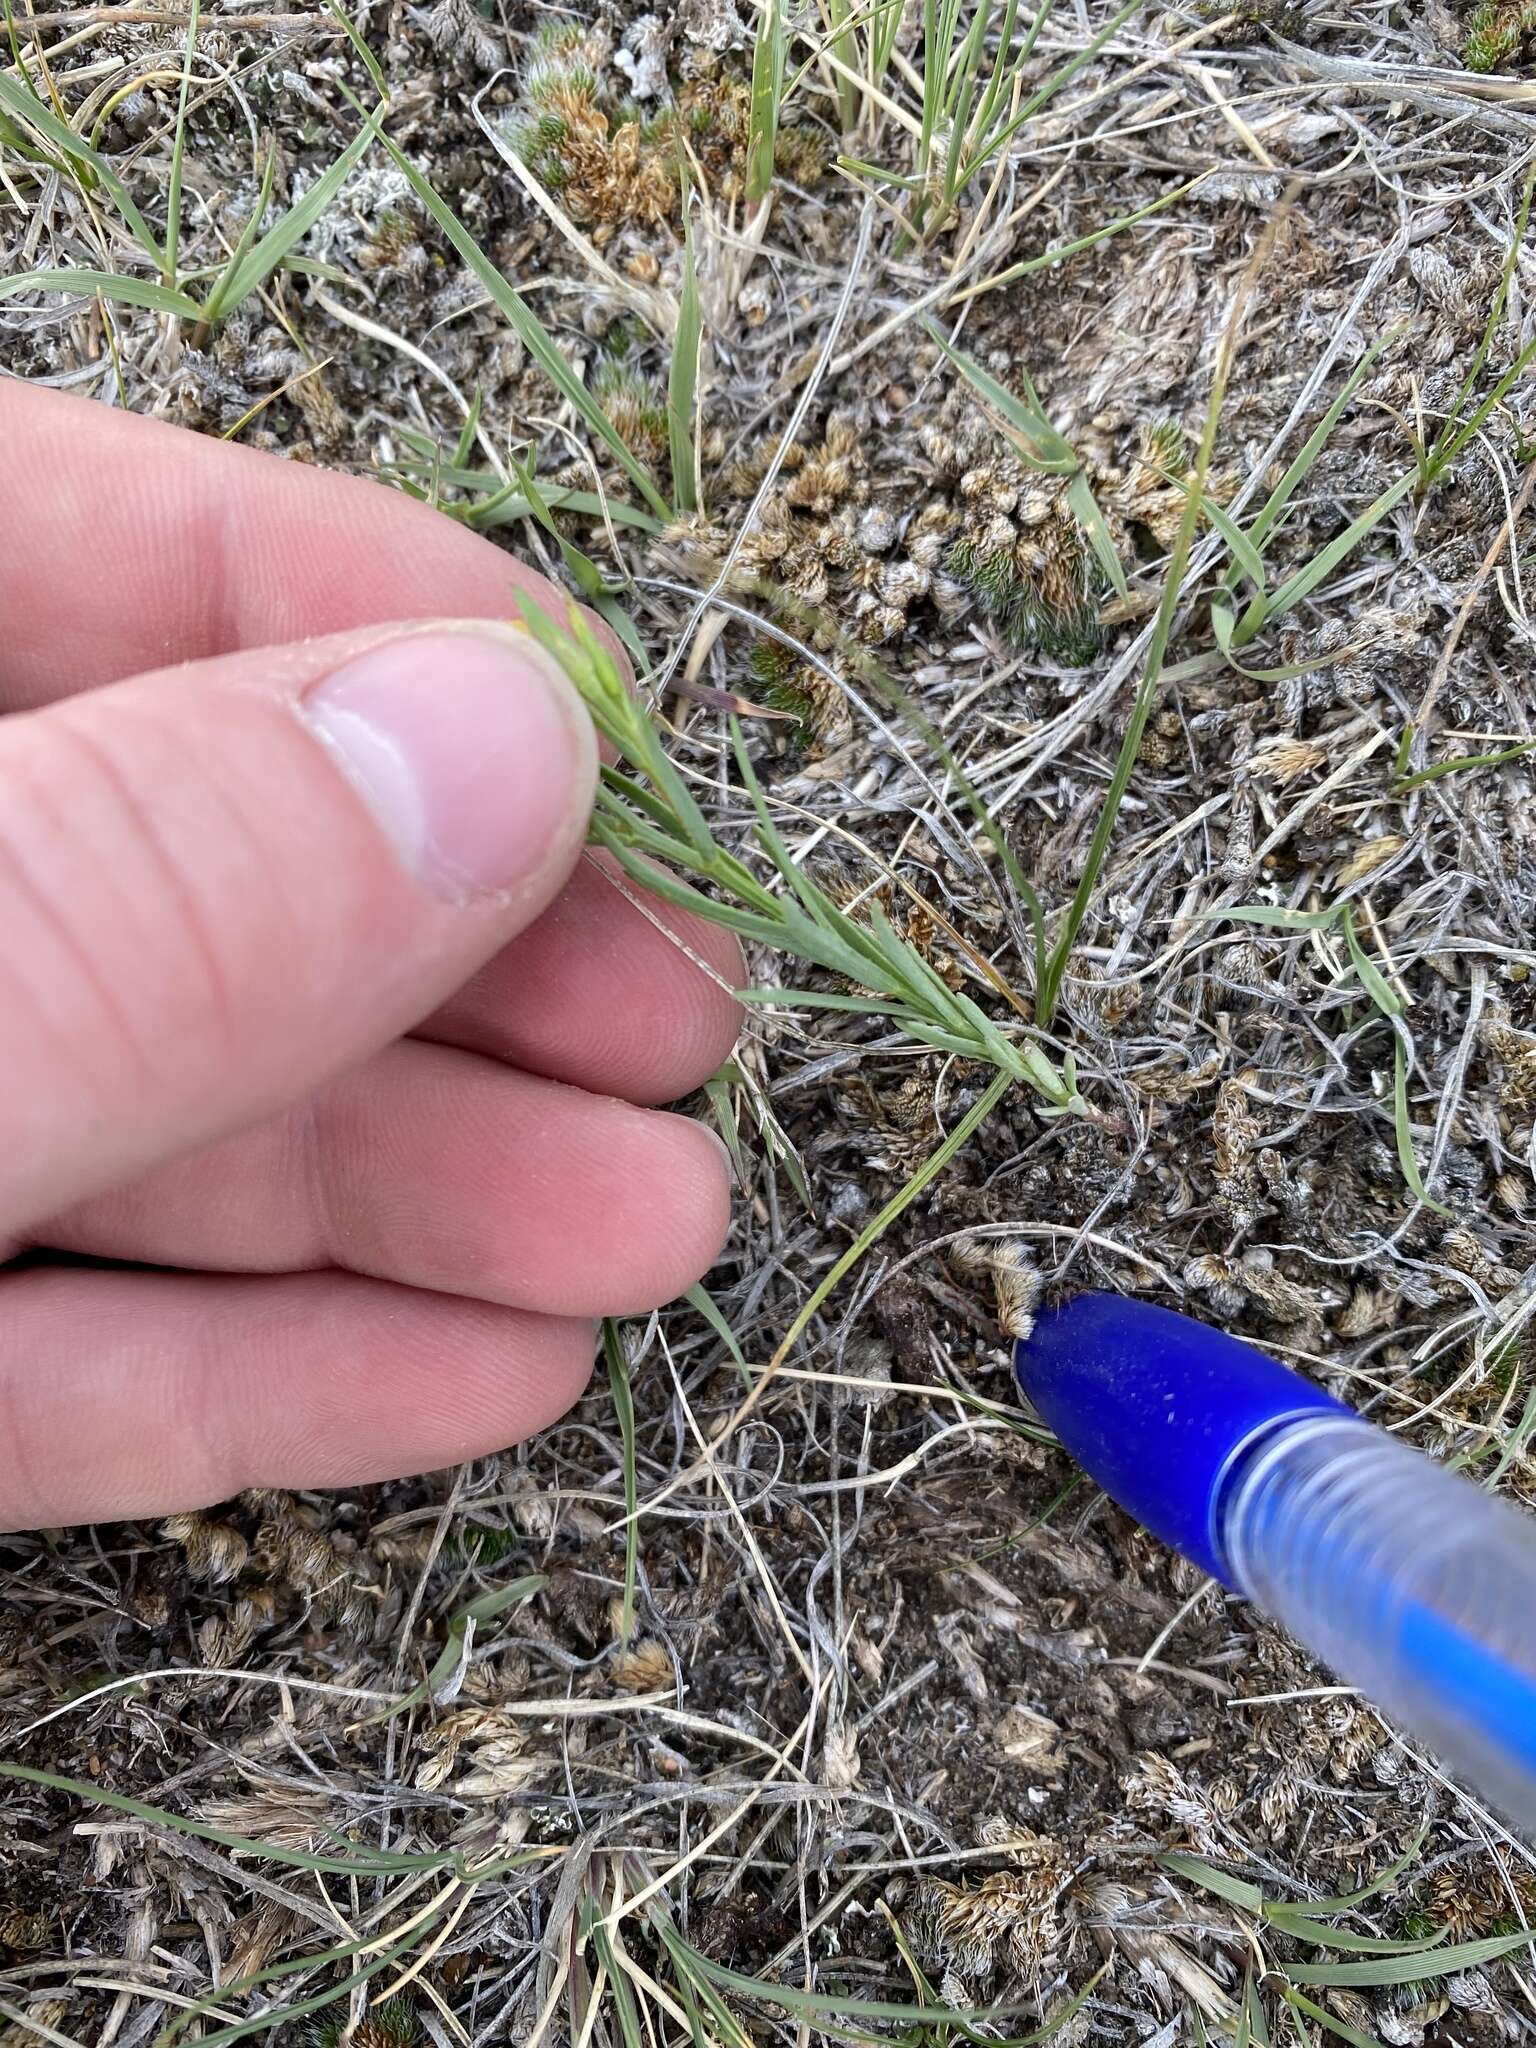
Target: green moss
{"type": "Point", "coordinates": [1166, 446]}
{"type": "Point", "coordinates": [1065, 627]}
{"type": "Point", "coordinates": [1495, 32]}
{"type": "Point", "coordinates": [539, 139]}
{"type": "Point", "coordinates": [775, 681]}
{"type": "Point", "coordinates": [1419, 1927]}
{"type": "Point", "coordinates": [394, 2024]}
{"type": "Point", "coordinates": [473, 1544]}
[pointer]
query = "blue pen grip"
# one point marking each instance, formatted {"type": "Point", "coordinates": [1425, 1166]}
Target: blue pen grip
{"type": "Point", "coordinates": [1410, 1581]}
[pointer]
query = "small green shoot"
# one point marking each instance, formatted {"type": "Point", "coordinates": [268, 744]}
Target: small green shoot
{"type": "Point", "coordinates": [531, 331]}
{"type": "Point", "coordinates": [1457, 431]}
{"type": "Point", "coordinates": [253, 259]}
{"type": "Point", "coordinates": [179, 148]}
{"type": "Point", "coordinates": [645, 815]}
{"type": "Point", "coordinates": [1402, 784]}
{"type": "Point", "coordinates": [1388, 1003]}
{"type": "Point", "coordinates": [448, 1665]}
{"type": "Point", "coordinates": [973, 102]}
{"type": "Point", "coordinates": [1236, 624]}
{"type": "Point", "coordinates": [767, 101]}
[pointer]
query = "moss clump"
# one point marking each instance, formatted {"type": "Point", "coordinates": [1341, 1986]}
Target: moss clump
{"type": "Point", "coordinates": [610, 165]}
{"type": "Point", "coordinates": [1497, 31]}
{"type": "Point", "coordinates": [634, 407]}
{"type": "Point", "coordinates": [782, 682]}
{"type": "Point", "coordinates": [1036, 585]}
{"type": "Point", "coordinates": [615, 164]}
{"type": "Point", "coordinates": [394, 2024]}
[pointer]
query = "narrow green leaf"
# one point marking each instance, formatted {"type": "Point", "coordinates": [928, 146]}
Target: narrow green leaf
{"type": "Point", "coordinates": [535, 337]}
{"type": "Point", "coordinates": [1346, 1902]}
{"type": "Point", "coordinates": [1085, 510]}
{"type": "Point", "coordinates": [1323, 564]}
{"type": "Point", "coordinates": [1063, 251]}
{"type": "Point", "coordinates": [699, 1297]}
{"type": "Point", "coordinates": [1416, 1969]}
{"type": "Point", "coordinates": [360, 43]}
{"type": "Point", "coordinates": [1403, 783]}
{"type": "Point", "coordinates": [1062, 76]}
{"type": "Point", "coordinates": [464, 447]}
{"type": "Point", "coordinates": [1447, 440]}
{"type": "Point", "coordinates": [683, 376]}
{"type": "Point", "coordinates": [18, 98]}
{"type": "Point", "coordinates": [219, 289]}
{"type": "Point", "coordinates": [179, 146]}
{"type": "Point", "coordinates": [1269, 514]}
{"type": "Point", "coordinates": [1403, 1126]}
{"type": "Point", "coordinates": [1286, 920]}
{"type": "Point", "coordinates": [268, 251]}
{"type": "Point", "coordinates": [122, 291]}
{"type": "Point", "coordinates": [1372, 980]}
{"type": "Point", "coordinates": [446, 1664]}
{"type": "Point", "coordinates": [1043, 447]}
{"type": "Point", "coordinates": [1341, 2028]}
{"type": "Point", "coordinates": [1237, 1891]}
{"type": "Point", "coordinates": [817, 999]}
{"type": "Point", "coordinates": [766, 98]}
{"type": "Point", "coordinates": [361, 1863]}
{"type": "Point", "coordinates": [1304, 1927]}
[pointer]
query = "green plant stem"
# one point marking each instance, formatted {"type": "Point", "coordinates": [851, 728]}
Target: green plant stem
{"type": "Point", "coordinates": [179, 150]}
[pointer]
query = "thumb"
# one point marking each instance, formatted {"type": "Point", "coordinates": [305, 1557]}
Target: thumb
{"type": "Point", "coordinates": [222, 884]}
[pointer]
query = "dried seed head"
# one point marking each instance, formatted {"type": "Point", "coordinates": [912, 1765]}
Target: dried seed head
{"type": "Point", "coordinates": [1369, 856]}
{"type": "Point", "coordinates": [215, 1551]}
{"type": "Point", "coordinates": [645, 1666]}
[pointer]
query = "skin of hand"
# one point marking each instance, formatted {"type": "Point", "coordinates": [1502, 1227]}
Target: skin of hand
{"type": "Point", "coordinates": [320, 1037]}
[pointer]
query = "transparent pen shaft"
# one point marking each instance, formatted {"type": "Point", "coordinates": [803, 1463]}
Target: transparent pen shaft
{"type": "Point", "coordinates": [1410, 1581]}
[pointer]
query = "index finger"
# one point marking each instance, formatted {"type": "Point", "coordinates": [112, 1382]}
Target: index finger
{"type": "Point", "coordinates": [144, 545]}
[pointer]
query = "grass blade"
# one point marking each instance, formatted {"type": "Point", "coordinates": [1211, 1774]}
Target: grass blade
{"type": "Point", "coordinates": [1062, 251]}
{"type": "Point", "coordinates": [19, 99]}
{"type": "Point", "coordinates": [1402, 1125]}
{"type": "Point", "coordinates": [1280, 496]}
{"type": "Point", "coordinates": [1419, 1969]}
{"type": "Point", "coordinates": [124, 291]}
{"type": "Point", "coordinates": [1235, 1890]}
{"type": "Point", "coordinates": [704, 1302]}
{"type": "Point", "coordinates": [1298, 2002]}
{"type": "Point", "coordinates": [363, 1863]}
{"type": "Point", "coordinates": [1039, 444]}
{"type": "Point", "coordinates": [1034, 439]}
{"type": "Point", "coordinates": [683, 378]}
{"type": "Point", "coordinates": [767, 97]}
{"type": "Point", "coordinates": [179, 148]}
{"type": "Point", "coordinates": [219, 290]}
{"type": "Point", "coordinates": [1372, 980]}
{"type": "Point", "coordinates": [1323, 564]}
{"type": "Point", "coordinates": [531, 331]}
{"type": "Point", "coordinates": [263, 257]}
{"type": "Point", "coordinates": [1084, 507]}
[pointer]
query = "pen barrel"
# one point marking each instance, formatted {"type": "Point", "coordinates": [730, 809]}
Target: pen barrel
{"type": "Point", "coordinates": [1411, 1582]}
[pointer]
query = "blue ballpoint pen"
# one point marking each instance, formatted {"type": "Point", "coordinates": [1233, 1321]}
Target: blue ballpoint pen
{"type": "Point", "coordinates": [1411, 1582]}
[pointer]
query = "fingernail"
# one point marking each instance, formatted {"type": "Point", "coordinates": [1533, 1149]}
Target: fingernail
{"type": "Point", "coordinates": [475, 758]}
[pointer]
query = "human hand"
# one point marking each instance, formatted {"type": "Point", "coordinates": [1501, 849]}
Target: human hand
{"type": "Point", "coordinates": [310, 1011]}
